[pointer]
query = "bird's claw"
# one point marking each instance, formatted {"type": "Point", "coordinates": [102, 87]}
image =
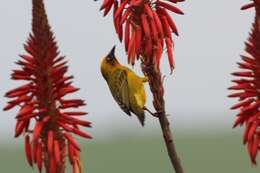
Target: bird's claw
{"type": "Point", "coordinates": [156, 114]}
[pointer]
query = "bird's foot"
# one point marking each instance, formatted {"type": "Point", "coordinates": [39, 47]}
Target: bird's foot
{"type": "Point", "coordinates": [156, 114]}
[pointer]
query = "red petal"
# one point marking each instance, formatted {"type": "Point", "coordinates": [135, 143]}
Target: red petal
{"type": "Point", "coordinates": [75, 113]}
{"type": "Point", "coordinates": [20, 125]}
{"type": "Point", "coordinates": [57, 151]}
{"type": "Point", "coordinates": [50, 142]}
{"type": "Point", "coordinates": [169, 7]}
{"type": "Point", "coordinates": [166, 27]}
{"type": "Point", "coordinates": [71, 153]}
{"type": "Point", "coordinates": [27, 109]}
{"type": "Point", "coordinates": [125, 16]}
{"type": "Point", "coordinates": [28, 150]}
{"type": "Point", "coordinates": [254, 149]}
{"type": "Point", "coordinates": [148, 11]}
{"type": "Point", "coordinates": [247, 6]}
{"type": "Point", "coordinates": [39, 157]}
{"type": "Point", "coordinates": [23, 88]}
{"type": "Point", "coordinates": [170, 53]}
{"type": "Point", "coordinates": [243, 74]}
{"type": "Point", "coordinates": [72, 141]}
{"type": "Point", "coordinates": [158, 23]}
{"type": "Point", "coordinates": [81, 133]}
{"type": "Point", "coordinates": [37, 130]}
{"type": "Point", "coordinates": [242, 103]}
{"type": "Point", "coordinates": [145, 25]}
{"type": "Point", "coordinates": [53, 165]}
{"type": "Point", "coordinates": [252, 130]}
{"type": "Point", "coordinates": [127, 34]}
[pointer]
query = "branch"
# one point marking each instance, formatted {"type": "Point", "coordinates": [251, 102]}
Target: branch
{"type": "Point", "coordinates": [156, 86]}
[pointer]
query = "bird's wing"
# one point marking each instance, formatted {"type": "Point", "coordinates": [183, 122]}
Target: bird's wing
{"type": "Point", "coordinates": [119, 89]}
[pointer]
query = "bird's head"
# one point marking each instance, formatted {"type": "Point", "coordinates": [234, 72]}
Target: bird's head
{"type": "Point", "coordinates": [109, 62]}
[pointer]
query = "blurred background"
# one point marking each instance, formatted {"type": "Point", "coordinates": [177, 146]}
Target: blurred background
{"type": "Point", "coordinates": [211, 38]}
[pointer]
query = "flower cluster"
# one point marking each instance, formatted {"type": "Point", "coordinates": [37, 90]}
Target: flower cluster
{"type": "Point", "coordinates": [248, 87]}
{"type": "Point", "coordinates": [146, 25]}
{"type": "Point", "coordinates": [42, 119]}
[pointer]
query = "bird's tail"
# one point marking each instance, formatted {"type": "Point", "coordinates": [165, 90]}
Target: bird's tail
{"type": "Point", "coordinates": [141, 118]}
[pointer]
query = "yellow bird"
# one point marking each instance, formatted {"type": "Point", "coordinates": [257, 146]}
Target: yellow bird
{"type": "Point", "coordinates": [126, 87]}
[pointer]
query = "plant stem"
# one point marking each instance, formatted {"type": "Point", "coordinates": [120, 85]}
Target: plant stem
{"type": "Point", "coordinates": [156, 86]}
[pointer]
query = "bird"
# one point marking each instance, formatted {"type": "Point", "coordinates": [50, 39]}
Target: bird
{"type": "Point", "coordinates": [126, 87]}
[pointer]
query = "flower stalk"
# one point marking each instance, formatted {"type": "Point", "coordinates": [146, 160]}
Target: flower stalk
{"type": "Point", "coordinates": [156, 86]}
{"type": "Point", "coordinates": [146, 28]}
{"type": "Point", "coordinates": [42, 119]}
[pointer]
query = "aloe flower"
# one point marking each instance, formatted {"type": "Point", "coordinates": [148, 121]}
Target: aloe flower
{"type": "Point", "coordinates": [247, 87]}
{"type": "Point", "coordinates": [42, 117]}
{"type": "Point", "coordinates": [146, 27]}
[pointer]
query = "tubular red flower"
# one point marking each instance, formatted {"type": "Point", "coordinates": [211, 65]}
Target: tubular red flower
{"type": "Point", "coordinates": [41, 100]}
{"type": "Point", "coordinates": [247, 87]}
{"type": "Point", "coordinates": [152, 18]}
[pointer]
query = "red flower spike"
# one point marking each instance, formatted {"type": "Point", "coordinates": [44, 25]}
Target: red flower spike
{"type": "Point", "coordinates": [248, 86]}
{"type": "Point", "coordinates": [154, 22]}
{"type": "Point", "coordinates": [41, 99]}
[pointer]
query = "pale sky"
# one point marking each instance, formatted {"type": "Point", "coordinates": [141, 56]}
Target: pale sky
{"type": "Point", "coordinates": [212, 35]}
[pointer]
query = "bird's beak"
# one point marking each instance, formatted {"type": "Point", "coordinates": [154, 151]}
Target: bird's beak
{"type": "Point", "coordinates": [111, 54]}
